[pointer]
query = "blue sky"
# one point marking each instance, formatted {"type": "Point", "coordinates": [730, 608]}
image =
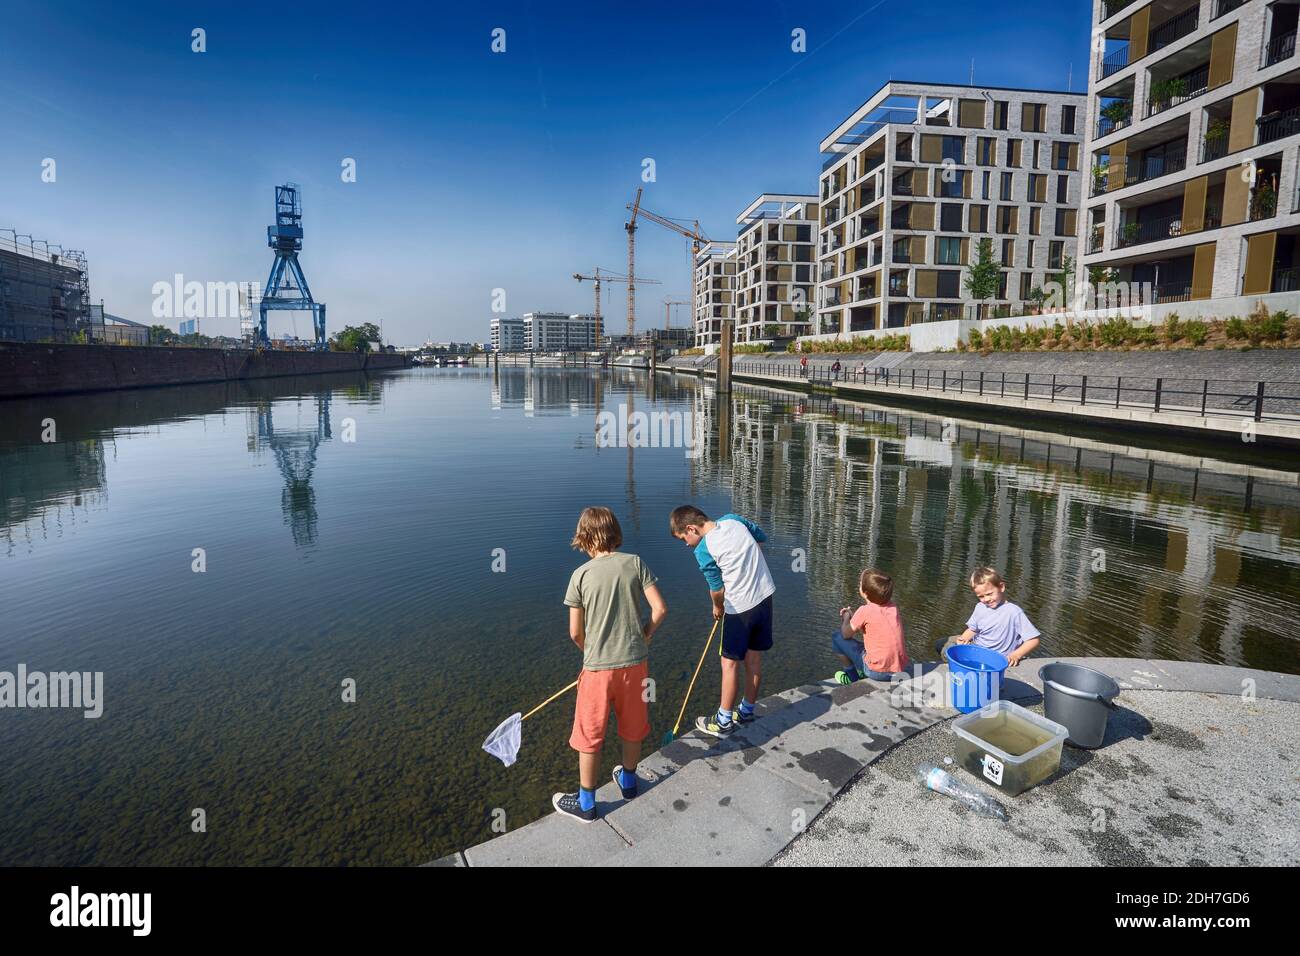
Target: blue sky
{"type": "Point", "coordinates": [475, 170]}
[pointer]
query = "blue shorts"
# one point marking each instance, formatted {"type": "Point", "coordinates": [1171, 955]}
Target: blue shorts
{"type": "Point", "coordinates": [747, 631]}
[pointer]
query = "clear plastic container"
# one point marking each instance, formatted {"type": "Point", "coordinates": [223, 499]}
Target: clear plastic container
{"type": "Point", "coordinates": [1008, 747]}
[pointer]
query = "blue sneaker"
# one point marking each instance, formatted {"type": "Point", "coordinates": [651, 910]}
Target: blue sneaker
{"type": "Point", "coordinates": [628, 792]}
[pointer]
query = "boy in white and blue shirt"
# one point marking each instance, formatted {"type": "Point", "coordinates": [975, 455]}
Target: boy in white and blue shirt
{"type": "Point", "coordinates": [741, 586]}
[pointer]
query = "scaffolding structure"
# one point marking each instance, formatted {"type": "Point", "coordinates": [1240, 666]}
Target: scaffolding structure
{"type": "Point", "coordinates": [44, 291]}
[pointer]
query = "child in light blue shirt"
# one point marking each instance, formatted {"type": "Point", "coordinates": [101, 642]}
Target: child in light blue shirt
{"type": "Point", "coordinates": [996, 623]}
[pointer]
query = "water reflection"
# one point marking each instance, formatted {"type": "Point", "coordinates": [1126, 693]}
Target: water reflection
{"type": "Point", "coordinates": [47, 485]}
{"type": "Point", "coordinates": [294, 449]}
{"type": "Point", "coordinates": [1113, 548]}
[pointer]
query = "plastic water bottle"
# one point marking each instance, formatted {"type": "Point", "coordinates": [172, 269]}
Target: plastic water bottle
{"type": "Point", "coordinates": [941, 781]}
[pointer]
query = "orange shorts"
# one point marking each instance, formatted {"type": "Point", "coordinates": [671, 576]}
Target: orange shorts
{"type": "Point", "coordinates": [623, 687]}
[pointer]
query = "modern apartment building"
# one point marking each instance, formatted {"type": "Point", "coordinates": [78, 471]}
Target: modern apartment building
{"type": "Point", "coordinates": [1193, 140]}
{"type": "Point", "coordinates": [557, 332]}
{"type": "Point", "coordinates": [776, 249]}
{"type": "Point", "coordinates": [714, 288]}
{"type": "Point", "coordinates": [913, 179]}
{"type": "Point", "coordinates": [507, 335]}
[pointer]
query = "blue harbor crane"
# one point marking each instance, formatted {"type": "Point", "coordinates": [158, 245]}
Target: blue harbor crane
{"type": "Point", "coordinates": [286, 288]}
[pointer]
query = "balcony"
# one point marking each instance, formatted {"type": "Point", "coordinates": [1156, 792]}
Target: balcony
{"type": "Point", "coordinates": [1263, 203]}
{"type": "Point", "coordinates": [1173, 30]}
{"type": "Point", "coordinates": [902, 186]}
{"type": "Point", "coordinates": [1214, 148]}
{"type": "Point", "coordinates": [1111, 7]}
{"type": "Point", "coordinates": [1286, 280]}
{"type": "Point", "coordinates": [1171, 292]}
{"type": "Point", "coordinates": [1166, 227]}
{"type": "Point", "coordinates": [1153, 167]}
{"type": "Point", "coordinates": [1114, 62]}
{"type": "Point", "coordinates": [898, 286]}
{"type": "Point", "coordinates": [1107, 125]}
{"type": "Point", "coordinates": [1097, 238]}
{"type": "Point", "coordinates": [1227, 6]}
{"type": "Point", "coordinates": [1279, 49]}
{"type": "Point", "coordinates": [1167, 94]}
{"type": "Point", "coordinates": [1279, 124]}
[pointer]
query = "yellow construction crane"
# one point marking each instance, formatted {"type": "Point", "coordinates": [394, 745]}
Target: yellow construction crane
{"type": "Point", "coordinates": [600, 275]}
{"type": "Point", "coordinates": [697, 238]}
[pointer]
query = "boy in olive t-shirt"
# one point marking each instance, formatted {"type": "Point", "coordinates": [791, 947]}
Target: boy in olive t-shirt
{"type": "Point", "coordinates": [604, 600]}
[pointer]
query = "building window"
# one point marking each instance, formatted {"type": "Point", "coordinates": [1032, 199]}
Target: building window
{"type": "Point", "coordinates": [1060, 155]}
{"type": "Point", "coordinates": [1067, 120]}
{"type": "Point", "coordinates": [979, 218]}
{"type": "Point", "coordinates": [1013, 152]}
{"type": "Point", "coordinates": [902, 250]}
{"type": "Point", "coordinates": [1035, 222]}
{"type": "Point", "coordinates": [999, 114]}
{"type": "Point", "coordinates": [1037, 191]}
{"type": "Point", "coordinates": [1063, 222]}
{"type": "Point", "coordinates": [1008, 252]}
{"type": "Point", "coordinates": [950, 217]}
{"type": "Point", "coordinates": [986, 151]}
{"type": "Point", "coordinates": [903, 148]}
{"type": "Point", "coordinates": [1002, 284]}
{"type": "Point", "coordinates": [949, 252]}
{"type": "Point", "coordinates": [1006, 186]}
{"type": "Point", "coordinates": [1035, 163]}
{"type": "Point", "coordinates": [948, 285]}
{"type": "Point", "coordinates": [952, 186]}
{"type": "Point", "coordinates": [1033, 248]}
{"type": "Point", "coordinates": [1006, 219]}
{"type": "Point", "coordinates": [954, 149]}
{"type": "Point", "coordinates": [1062, 188]}
{"type": "Point", "coordinates": [1026, 284]}
{"type": "Point", "coordinates": [1033, 117]}
{"type": "Point", "coordinates": [984, 194]}
{"type": "Point", "coordinates": [1054, 254]}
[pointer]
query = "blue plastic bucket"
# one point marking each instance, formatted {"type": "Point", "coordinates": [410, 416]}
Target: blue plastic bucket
{"type": "Point", "coordinates": [974, 676]}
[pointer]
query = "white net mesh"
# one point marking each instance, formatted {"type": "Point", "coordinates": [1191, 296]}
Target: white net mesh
{"type": "Point", "coordinates": [503, 743]}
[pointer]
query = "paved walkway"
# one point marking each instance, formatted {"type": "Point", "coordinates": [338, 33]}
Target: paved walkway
{"type": "Point", "coordinates": [1183, 779]}
{"type": "Point", "coordinates": [745, 799]}
{"type": "Point", "coordinates": [1064, 404]}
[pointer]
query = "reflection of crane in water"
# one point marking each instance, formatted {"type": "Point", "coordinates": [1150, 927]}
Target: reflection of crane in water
{"type": "Point", "coordinates": [295, 456]}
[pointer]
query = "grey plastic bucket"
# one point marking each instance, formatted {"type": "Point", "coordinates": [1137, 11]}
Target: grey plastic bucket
{"type": "Point", "coordinates": [1079, 698]}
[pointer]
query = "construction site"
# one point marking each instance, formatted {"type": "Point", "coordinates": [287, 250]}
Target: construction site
{"type": "Point", "coordinates": [44, 291]}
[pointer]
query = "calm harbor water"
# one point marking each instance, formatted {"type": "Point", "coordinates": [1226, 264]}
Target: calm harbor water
{"type": "Point", "coordinates": [371, 559]}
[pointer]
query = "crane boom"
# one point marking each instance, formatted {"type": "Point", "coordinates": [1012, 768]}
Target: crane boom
{"type": "Point", "coordinates": [600, 275]}
{"type": "Point", "coordinates": [697, 238]}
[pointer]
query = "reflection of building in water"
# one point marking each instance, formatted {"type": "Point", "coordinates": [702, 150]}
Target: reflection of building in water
{"type": "Point", "coordinates": [294, 447]}
{"type": "Point", "coordinates": [928, 500]}
{"type": "Point", "coordinates": [42, 486]}
{"type": "Point", "coordinates": [545, 391]}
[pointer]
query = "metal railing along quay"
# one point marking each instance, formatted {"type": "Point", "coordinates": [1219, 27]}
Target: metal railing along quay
{"type": "Point", "coordinates": [1261, 401]}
